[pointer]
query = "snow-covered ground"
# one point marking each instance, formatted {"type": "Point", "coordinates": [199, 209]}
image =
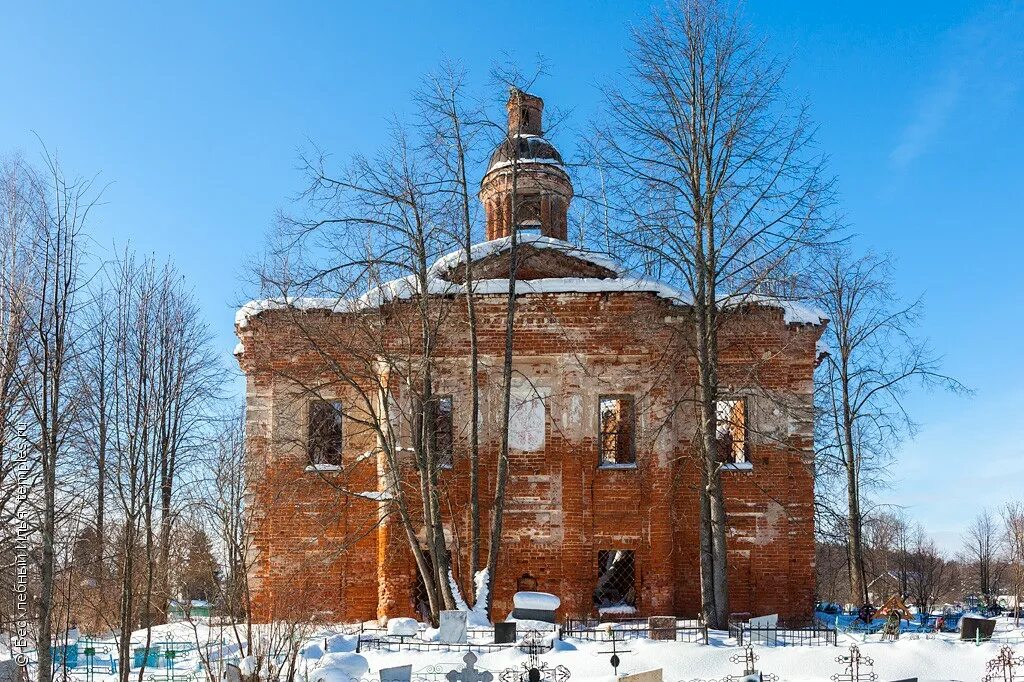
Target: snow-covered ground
{"type": "Point", "coordinates": [329, 650]}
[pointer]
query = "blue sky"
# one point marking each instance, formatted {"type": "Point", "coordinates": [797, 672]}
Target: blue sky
{"type": "Point", "coordinates": [194, 114]}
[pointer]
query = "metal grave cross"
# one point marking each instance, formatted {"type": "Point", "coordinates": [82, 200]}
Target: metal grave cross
{"type": "Point", "coordinates": [858, 668]}
{"type": "Point", "coordinates": [615, 660]}
{"type": "Point", "coordinates": [469, 673]}
{"type": "Point", "coordinates": [1001, 668]}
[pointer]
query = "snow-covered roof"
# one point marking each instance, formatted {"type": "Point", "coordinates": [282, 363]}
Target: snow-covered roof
{"type": "Point", "coordinates": [794, 312]}
{"type": "Point", "coordinates": [484, 249]}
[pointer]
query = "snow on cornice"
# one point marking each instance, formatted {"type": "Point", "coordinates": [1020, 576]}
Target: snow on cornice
{"type": "Point", "coordinates": [255, 307]}
{"type": "Point", "coordinates": [794, 312]}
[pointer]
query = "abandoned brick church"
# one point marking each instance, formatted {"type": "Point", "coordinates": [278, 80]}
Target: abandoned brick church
{"type": "Point", "coordinates": [602, 505]}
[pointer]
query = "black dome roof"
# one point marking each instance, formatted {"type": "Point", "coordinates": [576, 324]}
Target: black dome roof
{"type": "Point", "coordinates": [531, 147]}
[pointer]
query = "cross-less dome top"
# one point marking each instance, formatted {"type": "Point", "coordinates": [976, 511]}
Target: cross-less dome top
{"type": "Point", "coordinates": [532, 148]}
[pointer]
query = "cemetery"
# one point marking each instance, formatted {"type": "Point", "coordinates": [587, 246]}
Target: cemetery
{"type": "Point", "coordinates": [531, 645]}
{"type": "Point", "coordinates": [332, 351]}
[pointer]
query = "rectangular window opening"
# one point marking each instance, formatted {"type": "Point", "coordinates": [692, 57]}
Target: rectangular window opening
{"type": "Point", "coordinates": [617, 431]}
{"type": "Point", "coordinates": [615, 592]}
{"type": "Point", "coordinates": [436, 415]}
{"type": "Point", "coordinates": [731, 433]}
{"type": "Point", "coordinates": [325, 443]}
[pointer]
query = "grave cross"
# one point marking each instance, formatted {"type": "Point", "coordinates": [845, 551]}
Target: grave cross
{"type": "Point", "coordinates": [469, 673]}
{"type": "Point", "coordinates": [749, 660]}
{"type": "Point", "coordinates": [858, 668]}
{"type": "Point", "coordinates": [1001, 668]}
{"type": "Point", "coordinates": [534, 669]}
{"type": "Point", "coordinates": [615, 660]}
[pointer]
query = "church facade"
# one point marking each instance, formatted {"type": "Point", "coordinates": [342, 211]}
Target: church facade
{"type": "Point", "coordinates": [602, 505]}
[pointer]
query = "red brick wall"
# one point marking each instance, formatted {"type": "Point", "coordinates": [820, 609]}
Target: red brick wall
{"type": "Point", "coordinates": [316, 547]}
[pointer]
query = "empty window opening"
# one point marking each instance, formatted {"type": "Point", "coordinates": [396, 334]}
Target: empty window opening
{"type": "Point", "coordinates": [731, 432]}
{"type": "Point", "coordinates": [325, 435]}
{"type": "Point", "coordinates": [616, 581]}
{"type": "Point", "coordinates": [437, 415]}
{"type": "Point", "coordinates": [617, 431]}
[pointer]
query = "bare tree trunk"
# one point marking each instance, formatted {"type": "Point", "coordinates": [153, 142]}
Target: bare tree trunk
{"type": "Point", "coordinates": [501, 477]}
{"type": "Point", "coordinates": [61, 208]}
{"type": "Point", "coordinates": [861, 383]}
{"type": "Point", "coordinates": [693, 133]}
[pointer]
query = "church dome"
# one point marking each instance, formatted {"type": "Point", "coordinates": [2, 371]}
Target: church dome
{"type": "Point", "coordinates": [536, 198]}
{"type": "Point", "coordinates": [531, 148]}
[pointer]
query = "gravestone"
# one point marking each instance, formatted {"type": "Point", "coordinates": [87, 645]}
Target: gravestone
{"type": "Point", "coordinates": [232, 673]}
{"type": "Point", "coordinates": [762, 629]}
{"type": "Point", "coordinates": [401, 673]}
{"type": "Point", "coordinates": [453, 627]}
{"type": "Point", "coordinates": [662, 627]}
{"type": "Point", "coordinates": [505, 633]}
{"type": "Point", "coordinates": [976, 628]}
{"type": "Point", "coordinates": [535, 606]}
{"type": "Point", "coordinates": [647, 676]}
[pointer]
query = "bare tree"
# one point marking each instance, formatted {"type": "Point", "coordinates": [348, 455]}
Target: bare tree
{"type": "Point", "coordinates": [18, 203]}
{"type": "Point", "coordinates": [931, 576]}
{"type": "Point", "coordinates": [383, 220]}
{"type": "Point", "coordinates": [162, 378]}
{"type": "Point", "coordinates": [60, 208]}
{"type": "Point", "coordinates": [512, 133]}
{"type": "Point", "coordinates": [717, 190]}
{"type": "Point", "coordinates": [873, 360]}
{"type": "Point", "coordinates": [982, 544]}
{"type": "Point", "coordinates": [187, 382]}
{"type": "Point", "coordinates": [1013, 523]}
{"type": "Point", "coordinates": [889, 538]}
{"type": "Point", "coordinates": [453, 128]}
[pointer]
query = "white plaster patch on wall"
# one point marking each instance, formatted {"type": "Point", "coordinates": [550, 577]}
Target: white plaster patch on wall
{"type": "Point", "coordinates": [768, 524]}
{"type": "Point", "coordinates": [574, 413]}
{"type": "Point", "coordinates": [527, 423]}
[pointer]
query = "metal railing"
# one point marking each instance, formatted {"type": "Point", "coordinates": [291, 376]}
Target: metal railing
{"type": "Point", "coordinates": [593, 630]}
{"type": "Point", "coordinates": [373, 642]}
{"type": "Point", "coordinates": [814, 635]}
